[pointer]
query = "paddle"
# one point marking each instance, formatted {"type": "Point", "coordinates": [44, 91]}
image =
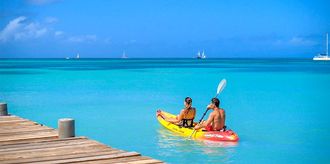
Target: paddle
{"type": "Point", "coordinates": [221, 86]}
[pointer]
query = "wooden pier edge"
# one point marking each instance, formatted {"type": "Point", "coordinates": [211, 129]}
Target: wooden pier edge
{"type": "Point", "coordinates": [25, 141]}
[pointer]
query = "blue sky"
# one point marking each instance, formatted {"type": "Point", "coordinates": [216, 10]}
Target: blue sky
{"type": "Point", "coordinates": [168, 28]}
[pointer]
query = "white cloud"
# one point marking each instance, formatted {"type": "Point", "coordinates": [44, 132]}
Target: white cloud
{"type": "Point", "coordinates": [58, 33]}
{"type": "Point", "coordinates": [19, 29]}
{"type": "Point", "coordinates": [295, 41]}
{"type": "Point", "coordinates": [11, 28]}
{"type": "Point", "coordinates": [299, 41]}
{"type": "Point", "coordinates": [82, 38]}
{"type": "Point", "coordinates": [51, 20]}
{"type": "Point", "coordinates": [31, 30]}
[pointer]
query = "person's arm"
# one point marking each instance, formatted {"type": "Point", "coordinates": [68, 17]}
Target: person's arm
{"type": "Point", "coordinates": [177, 119]}
{"type": "Point", "coordinates": [205, 123]}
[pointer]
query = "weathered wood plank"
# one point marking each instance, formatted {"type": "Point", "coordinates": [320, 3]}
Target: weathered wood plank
{"type": "Point", "coordinates": [27, 136]}
{"type": "Point", "coordinates": [62, 156]}
{"type": "Point", "coordinates": [30, 140]}
{"type": "Point", "coordinates": [132, 159]}
{"type": "Point", "coordinates": [33, 131]}
{"type": "Point", "coordinates": [47, 145]}
{"type": "Point", "coordinates": [144, 161]}
{"type": "Point", "coordinates": [45, 148]}
{"type": "Point", "coordinates": [25, 141]}
{"type": "Point", "coordinates": [4, 122]}
{"type": "Point", "coordinates": [23, 129]}
{"type": "Point", "coordinates": [68, 155]}
{"type": "Point", "coordinates": [24, 125]}
{"type": "Point", "coordinates": [94, 158]}
{"type": "Point", "coordinates": [64, 150]}
{"type": "Point", "coordinates": [120, 160]}
{"type": "Point", "coordinates": [4, 119]}
{"type": "Point", "coordinates": [10, 117]}
{"type": "Point", "coordinates": [41, 142]}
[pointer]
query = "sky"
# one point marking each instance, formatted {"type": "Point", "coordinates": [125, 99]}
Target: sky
{"type": "Point", "coordinates": [163, 28]}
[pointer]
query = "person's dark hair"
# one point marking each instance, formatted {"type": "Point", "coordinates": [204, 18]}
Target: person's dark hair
{"type": "Point", "coordinates": [215, 101]}
{"type": "Point", "coordinates": [188, 100]}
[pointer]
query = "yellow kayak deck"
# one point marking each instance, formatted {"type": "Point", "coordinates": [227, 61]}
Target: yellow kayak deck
{"type": "Point", "coordinates": [227, 135]}
{"type": "Point", "coordinates": [186, 132]}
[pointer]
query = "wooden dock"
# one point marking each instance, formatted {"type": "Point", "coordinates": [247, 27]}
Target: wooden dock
{"type": "Point", "coordinates": [25, 141]}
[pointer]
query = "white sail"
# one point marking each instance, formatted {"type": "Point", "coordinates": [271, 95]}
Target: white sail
{"type": "Point", "coordinates": [203, 55]}
{"type": "Point", "coordinates": [78, 56]}
{"type": "Point", "coordinates": [327, 45]}
{"type": "Point", "coordinates": [124, 55]}
{"type": "Point", "coordinates": [198, 54]}
{"type": "Point", "coordinates": [326, 55]}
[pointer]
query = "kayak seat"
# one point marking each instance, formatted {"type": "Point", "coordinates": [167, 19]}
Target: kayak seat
{"type": "Point", "coordinates": [224, 129]}
{"type": "Point", "coordinates": [187, 123]}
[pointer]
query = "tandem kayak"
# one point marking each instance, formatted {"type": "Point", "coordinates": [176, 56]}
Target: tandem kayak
{"type": "Point", "coordinates": [200, 134]}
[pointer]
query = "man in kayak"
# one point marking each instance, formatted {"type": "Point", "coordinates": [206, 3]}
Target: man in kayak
{"type": "Point", "coordinates": [186, 116]}
{"type": "Point", "coordinates": [216, 120]}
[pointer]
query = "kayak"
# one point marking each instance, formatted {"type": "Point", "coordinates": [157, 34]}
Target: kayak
{"type": "Point", "coordinates": [199, 134]}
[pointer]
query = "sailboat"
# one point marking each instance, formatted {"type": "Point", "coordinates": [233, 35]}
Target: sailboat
{"type": "Point", "coordinates": [198, 55]}
{"type": "Point", "coordinates": [201, 56]}
{"type": "Point", "coordinates": [77, 57]}
{"type": "Point", "coordinates": [325, 56]}
{"type": "Point", "coordinates": [124, 56]}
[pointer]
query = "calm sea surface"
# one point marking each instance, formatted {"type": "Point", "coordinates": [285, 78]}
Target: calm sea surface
{"type": "Point", "coordinates": [280, 108]}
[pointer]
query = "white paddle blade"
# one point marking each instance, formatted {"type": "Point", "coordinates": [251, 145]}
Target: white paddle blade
{"type": "Point", "coordinates": [221, 85]}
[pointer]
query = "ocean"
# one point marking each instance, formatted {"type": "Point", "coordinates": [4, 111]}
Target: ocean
{"type": "Point", "coordinates": [280, 108]}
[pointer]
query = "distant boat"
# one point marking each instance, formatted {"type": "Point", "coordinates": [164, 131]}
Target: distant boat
{"type": "Point", "coordinates": [124, 56]}
{"type": "Point", "coordinates": [325, 56]}
{"type": "Point", "coordinates": [67, 58]}
{"type": "Point", "coordinates": [201, 56]}
{"type": "Point", "coordinates": [198, 55]}
{"type": "Point", "coordinates": [77, 57]}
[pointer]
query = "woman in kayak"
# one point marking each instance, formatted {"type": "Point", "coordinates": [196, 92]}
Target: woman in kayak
{"type": "Point", "coordinates": [186, 116]}
{"type": "Point", "coordinates": [216, 120]}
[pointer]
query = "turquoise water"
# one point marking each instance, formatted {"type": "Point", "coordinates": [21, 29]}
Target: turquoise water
{"type": "Point", "coordinates": [280, 108]}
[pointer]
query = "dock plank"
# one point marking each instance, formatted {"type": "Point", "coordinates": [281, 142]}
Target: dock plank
{"type": "Point", "coordinates": [48, 145]}
{"type": "Point", "coordinates": [132, 159]}
{"type": "Point", "coordinates": [61, 157]}
{"type": "Point", "coordinates": [23, 129]}
{"type": "Point", "coordinates": [29, 140]}
{"type": "Point", "coordinates": [10, 117]}
{"type": "Point", "coordinates": [56, 140]}
{"type": "Point", "coordinates": [52, 151]}
{"type": "Point", "coordinates": [25, 141]}
{"type": "Point", "coordinates": [31, 131]}
{"type": "Point", "coordinates": [93, 158]}
{"type": "Point", "coordinates": [27, 144]}
{"type": "Point", "coordinates": [27, 136]}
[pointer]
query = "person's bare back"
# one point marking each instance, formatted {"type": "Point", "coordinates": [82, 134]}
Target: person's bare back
{"type": "Point", "coordinates": [218, 119]}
